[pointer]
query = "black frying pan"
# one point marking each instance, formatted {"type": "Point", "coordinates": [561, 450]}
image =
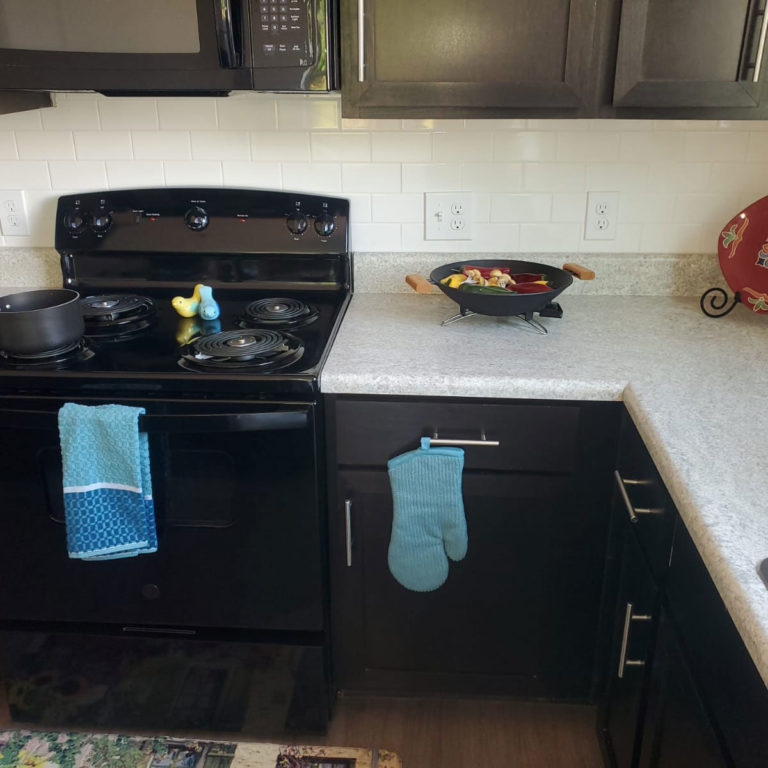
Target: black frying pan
{"type": "Point", "coordinates": [514, 304]}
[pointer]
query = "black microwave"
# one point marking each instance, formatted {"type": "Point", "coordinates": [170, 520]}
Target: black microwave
{"type": "Point", "coordinates": [140, 47]}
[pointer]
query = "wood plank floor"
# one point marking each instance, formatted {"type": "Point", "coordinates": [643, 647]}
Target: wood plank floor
{"type": "Point", "coordinates": [469, 733]}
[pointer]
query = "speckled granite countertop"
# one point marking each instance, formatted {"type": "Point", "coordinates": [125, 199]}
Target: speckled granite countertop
{"type": "Point", "coordinates": [694, 386]}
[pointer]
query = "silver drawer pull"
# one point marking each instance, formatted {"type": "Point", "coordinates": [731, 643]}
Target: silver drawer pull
{"type": "Point", "coordinates": [348, 530]}
{"type": "Point", "coordinates": [435, 440]}
{"type": "Point", "coordinates": [629, 617]}
{"type": "Point", "coordinates": [632, 511]}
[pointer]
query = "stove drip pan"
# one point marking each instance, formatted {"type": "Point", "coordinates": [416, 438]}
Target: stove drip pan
{"type": "Point", "coordinates": [115, 317]}
{"type": "Point", "coordinates": [54, 359]}
{"type": "Point", "coordinates": [251, 351]}
{"type": "Point", "coordinates": [278, 312]}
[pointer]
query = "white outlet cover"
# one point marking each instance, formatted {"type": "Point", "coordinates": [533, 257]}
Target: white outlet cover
{"type": "Point", "coordinates": [601, 219]}
{"type": "Point", "coordinates": [441, 220]}
{"type": "Point", "coordinates": [13, 213]}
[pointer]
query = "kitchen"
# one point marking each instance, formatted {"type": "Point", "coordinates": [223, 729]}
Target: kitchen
{"type": "Point", "coordinates": [678, 182]}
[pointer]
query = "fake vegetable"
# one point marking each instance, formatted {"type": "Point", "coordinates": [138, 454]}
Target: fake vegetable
{"type": "Point", "coordinates": [489, 289]}
{"type": "Point", "coordinates": [454, 281]}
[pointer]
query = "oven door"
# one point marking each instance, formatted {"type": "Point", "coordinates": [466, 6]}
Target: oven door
{"type": "Point", "coordinates": [125, 46]}
{"type": "Point", "coordinates": [238, 519]}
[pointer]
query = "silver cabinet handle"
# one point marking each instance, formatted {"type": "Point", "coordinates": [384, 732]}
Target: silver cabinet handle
{"type": "Point", "coordinates": [632, 511]}
{"type": "Point", "coordinates": [629, 617]}
{"type": "Point", "coordinates": [361, 41]}
{"type": "Point", "coordinates": [761, 47]}
{"type": "Point", "coordinates": [448, 441]}
{"type": "Point", "coordinates": [348, 530]}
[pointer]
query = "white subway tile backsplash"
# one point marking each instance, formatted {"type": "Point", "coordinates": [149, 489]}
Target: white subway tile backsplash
{"type": "Point", "coordinates": [521, 208]}
{"type": "Point", "coordinates": [78, 175]}
{"type": "Point", "coordinates": [402, 147]}
{"type": "Point", "coordinates": [534, 146]}
{"type": "Point", "coordinates": [280, 145]}
{"type": "Point", "coordinates": [24, 174]}
{"type": "Point", "coordinates": [678, 181]}
{"type": "Point", "coordinates": [463, 146]}
{"type": "Point", "coordinates": [255, 175]}
{"type": "Point", "coordinates": [587, 146]}
{"type": "Point", "coordinates": [132, 114]}
{"type": "Point", "coordinates": [182, 114]}
{"type": "Point", "coordinates": [45, 145]}
{"type": "Point", "coordinates": [310, 113]}
{"type": "Point", "coordinates": [338, 147]}
{"type": "Point", "coordinates": [7, 146]}
{"type": "Point", "coordinates": [181, 173]}
{"type": "Point", "coordinates": [431, 178]}
{"type": "Point", "coordinates": [312, 177]}
{"type": "Point", "coordinates": [161, 145]}
{"type": "Point", "coordinates": [554, 177]}
{"type": "Point", "coordinates": [397, 208]}
{"type": "Point", "coordinates": [71, 114]}
{"type": "Point", "coordinates": [492, 177]}
{"type": "Point", "coordinates": [247, 112]}
{"type": "Point", "coordinates": [375, 237]}
{"type": "Point", "coordinates": [221, 145]}
{"type": "Point", "coordinates": [103, 145]}
{"type": "Point", "coordinates": [123, 174]}
{"type": "Point", "coordinates": [371, 177]}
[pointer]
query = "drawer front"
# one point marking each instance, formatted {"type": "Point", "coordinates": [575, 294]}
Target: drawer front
{"type": "Point", "coordinates": [532, 438]}
{"type": "Point", "coordinates": [645, 500]}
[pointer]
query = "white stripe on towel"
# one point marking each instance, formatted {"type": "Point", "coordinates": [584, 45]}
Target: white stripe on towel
{"type": "Point", "coordinates": [98, 486]}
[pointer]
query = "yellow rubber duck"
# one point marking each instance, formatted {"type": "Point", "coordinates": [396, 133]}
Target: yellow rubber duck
{"type": "Point", "coordinates": [188, 307]}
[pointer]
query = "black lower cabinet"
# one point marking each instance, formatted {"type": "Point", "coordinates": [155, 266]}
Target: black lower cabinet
{"type": "Point", "coordinates": [678, 732]}
{"type": "Point", "coordinates": [519, 614]}
{"type": "Point", "coordinates": [623, 709]}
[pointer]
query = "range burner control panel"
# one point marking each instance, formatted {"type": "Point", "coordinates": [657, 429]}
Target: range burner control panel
{"type": "Point", "coordinates": [202, 219]}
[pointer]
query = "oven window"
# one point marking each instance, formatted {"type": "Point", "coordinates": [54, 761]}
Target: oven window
{"type": "Point", "coordinates": [100, 26]}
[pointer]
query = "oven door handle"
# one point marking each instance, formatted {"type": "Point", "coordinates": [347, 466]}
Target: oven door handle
{"type": "Point", "coordinates": [174, 423]}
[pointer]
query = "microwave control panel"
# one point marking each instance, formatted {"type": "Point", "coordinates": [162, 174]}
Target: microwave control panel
{"type": "Point", "coordinates": [282, 33]}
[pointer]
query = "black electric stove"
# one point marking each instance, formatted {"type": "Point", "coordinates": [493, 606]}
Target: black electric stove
{"type": "Point", "coordinates": [278, 265]}
{"type": "Point", "coordinates": [225, 627]}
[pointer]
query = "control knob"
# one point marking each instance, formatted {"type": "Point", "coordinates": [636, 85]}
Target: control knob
{"type": "Point", "coordinates": [324, 225]}
{"type": "Point", "coordinates": [74, 222]}
{"type": "Point", "coordinates": [100, 222]}
{"type": "Point", "coordinates": [196, 218]}
{"type": "Point", "coordinates": [296, 223]}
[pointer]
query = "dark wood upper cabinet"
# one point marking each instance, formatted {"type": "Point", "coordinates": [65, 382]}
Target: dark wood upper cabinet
{"type": "Point", "coordinates": [690, 54]}
{"type": "Point", "coordinates": [446, 57]}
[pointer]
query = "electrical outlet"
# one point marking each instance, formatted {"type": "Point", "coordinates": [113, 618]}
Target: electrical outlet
{"type": "Point", "coordinates": [448, 216]}
{"type": "Point", "coordinates": [602, 216]}
{"type": "Point", "coordinates": [13, 213]}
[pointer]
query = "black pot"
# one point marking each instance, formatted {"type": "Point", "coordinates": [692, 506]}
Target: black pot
{"type": "Point", "coordinates": [36, 322]}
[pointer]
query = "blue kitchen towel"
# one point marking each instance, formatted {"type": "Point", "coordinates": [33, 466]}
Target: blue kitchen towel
{"type": "Point", "coordinates": [428, 520]}
{"type": "Point", "coordinates": [107, 487]}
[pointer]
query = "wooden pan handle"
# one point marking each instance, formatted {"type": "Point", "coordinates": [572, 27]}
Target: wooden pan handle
{"type": "Point", "coordinates": [581, 272]}
{"type": "Point", "coordinates": [419, 283]}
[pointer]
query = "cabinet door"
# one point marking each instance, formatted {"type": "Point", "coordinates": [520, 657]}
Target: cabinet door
{"type": "Point", "coordinates": [690, 53]}
{"type": "Point", "coordinates": [517, 615]}
{"type": "Point", "coordinates": [443, 57]}
{"type": "Point", "coordinates": [622, 713]}
{"type": "Point", "coordinates": [678, 732]}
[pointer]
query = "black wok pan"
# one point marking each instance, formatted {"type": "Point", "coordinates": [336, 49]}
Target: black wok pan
{"type": "Point", "coordinates": [514, 304]}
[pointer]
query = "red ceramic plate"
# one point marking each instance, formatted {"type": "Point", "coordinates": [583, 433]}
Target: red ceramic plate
{"type": "Point", "coordinates": [743, 253]}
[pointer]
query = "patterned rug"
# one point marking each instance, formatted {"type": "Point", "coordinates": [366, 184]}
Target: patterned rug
{"type": "Point", "coordinates": [49, 749]}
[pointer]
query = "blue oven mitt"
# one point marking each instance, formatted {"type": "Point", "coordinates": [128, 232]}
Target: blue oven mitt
{"type": "Point", "coordinates": [428, 520]}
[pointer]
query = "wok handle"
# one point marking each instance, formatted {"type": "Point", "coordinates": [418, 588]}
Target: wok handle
{"type": "Point", "coordinates": [578, 271]}
{"type": "Point", "coordinates": [419, 283]}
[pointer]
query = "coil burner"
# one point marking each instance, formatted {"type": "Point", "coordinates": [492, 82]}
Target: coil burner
{"type": "Point", "coordinates": [53, 359]}
{"type": "Point", "coordinates": [278, 313]}
{"type": "Point", "coordinates": [256, 351]}
{"type": "Point", "coordinates": [115, 317]}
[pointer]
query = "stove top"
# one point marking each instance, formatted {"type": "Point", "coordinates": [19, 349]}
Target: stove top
{"type": "Point", "coordinates": [281, 289]}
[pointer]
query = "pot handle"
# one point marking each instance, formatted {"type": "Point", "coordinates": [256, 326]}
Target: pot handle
{"type": "Point", "coordinates": [419, 283]}
{"type": "Point", "coordinates": [583, 273]}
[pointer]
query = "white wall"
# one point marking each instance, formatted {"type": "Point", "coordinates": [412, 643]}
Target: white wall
{"type": "Point", "coordinates": [679, 181]}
